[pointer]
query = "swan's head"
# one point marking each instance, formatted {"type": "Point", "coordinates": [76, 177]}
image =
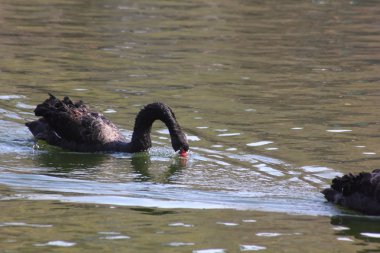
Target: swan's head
{"type": "Point", "coordinates": [179, 143]}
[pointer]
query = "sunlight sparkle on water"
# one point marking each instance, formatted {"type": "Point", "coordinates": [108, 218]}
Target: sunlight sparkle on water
{"type": "Point", "coordinates": [180, 224]}
{"type": "Point", "coordinates": [110, 111]}
{"type": "Point", "coordinates": [251, 247]}
{"type": "Point", "coordinates": [371, 235]}
{"type": "Point", "coordinates": [56, 243]}
{"type": "Point", "coordinates": [259, 143]}
{"type": "Point", "coordinates": [229, 134]}
{"type": "Point", "coordinates": [178, 244]}
{"type": "Point", "coordinates": [344, 239]}
{"type": "Point", "coordinates": [210, 251]}
{"type": "Point", "coordinates": [340, 228]}
{"type": "Point", "coordinates": [228, 224]}
{"type": "Point", "coordinates": [338, 130]}
{"type": "Point", "coordinates": [267, 234]}
{"type": "Point", "coordinates": [10, 97]}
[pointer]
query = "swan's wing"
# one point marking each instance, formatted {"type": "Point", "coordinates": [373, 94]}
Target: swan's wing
{"type": "Point", "coordinates": [73, 122]}
{"type": "Point", "coordinates": [359, 192]}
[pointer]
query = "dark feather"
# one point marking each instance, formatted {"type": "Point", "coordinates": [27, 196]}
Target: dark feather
{"type": "Point", "coordinates": [74, 126]}
{"type": "Point", "coordinates": [359, 192]}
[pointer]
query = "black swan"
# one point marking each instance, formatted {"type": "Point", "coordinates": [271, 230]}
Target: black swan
{"type": "Point", "coordinates": [359, 192]}
{"type": "Point", "coordinates": [74, 127]}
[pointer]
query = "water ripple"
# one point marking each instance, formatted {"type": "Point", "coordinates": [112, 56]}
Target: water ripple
{"type": "Point", "coordinates": [208, 178]}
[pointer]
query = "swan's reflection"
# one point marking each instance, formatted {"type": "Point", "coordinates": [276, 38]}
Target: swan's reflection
{"type": "Point", "coordinates": [137, 167]}
{"type": "Point", "coordinates": [366, 228]}
{"type": "Point", "coordinates": [65, 161]}
{"type": "Point", "coordinates": [142, 166]}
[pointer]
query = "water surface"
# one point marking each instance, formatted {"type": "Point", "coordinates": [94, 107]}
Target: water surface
{"type": "Point", "coordinates": [276, 100]}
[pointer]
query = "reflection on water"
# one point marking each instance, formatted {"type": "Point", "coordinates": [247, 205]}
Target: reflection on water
{"type": "Point", "coordinates": [208, 178]}
{"type": "Point", "coordinates": [276, 100]}
{"type": "Point", "coordinates": [110, 228]}
{"type": "Point", "coordinates": [357, 228]}
{"type": "Point", "coordinates": [64, 162]}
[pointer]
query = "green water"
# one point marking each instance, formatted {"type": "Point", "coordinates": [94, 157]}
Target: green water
{"type": "Point", "coordinates": [276, 97]}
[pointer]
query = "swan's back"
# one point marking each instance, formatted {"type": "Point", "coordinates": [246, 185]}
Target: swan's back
{"type": "Point", "coordinates": [73, 123]}
{"type": "Point", "coordinates": [359, 192]}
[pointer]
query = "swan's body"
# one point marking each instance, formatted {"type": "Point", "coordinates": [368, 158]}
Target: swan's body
{"type": "Point", "coordinates": [359, 192]}
{"type": "Point", "coordinates": [73, 126]}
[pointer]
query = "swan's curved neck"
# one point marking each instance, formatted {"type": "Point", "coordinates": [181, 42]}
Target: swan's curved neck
{"type": "Point", "coordinates": [141, 140]}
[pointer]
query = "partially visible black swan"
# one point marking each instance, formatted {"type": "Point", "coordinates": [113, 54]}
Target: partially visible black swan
{"type": "Point", "coordinates": [359, 192]}
{"type": "Point", "coordinates": [73, 126]}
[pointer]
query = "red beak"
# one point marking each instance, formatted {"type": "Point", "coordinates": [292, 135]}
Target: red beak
{"type": "Point", "coordinates": [183, 153]}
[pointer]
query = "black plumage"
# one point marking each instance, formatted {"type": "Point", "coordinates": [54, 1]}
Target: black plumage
{"type": "Point", "coordinates": [75, 127]}
{"type": "Point", "coordinates": [360, 192]}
